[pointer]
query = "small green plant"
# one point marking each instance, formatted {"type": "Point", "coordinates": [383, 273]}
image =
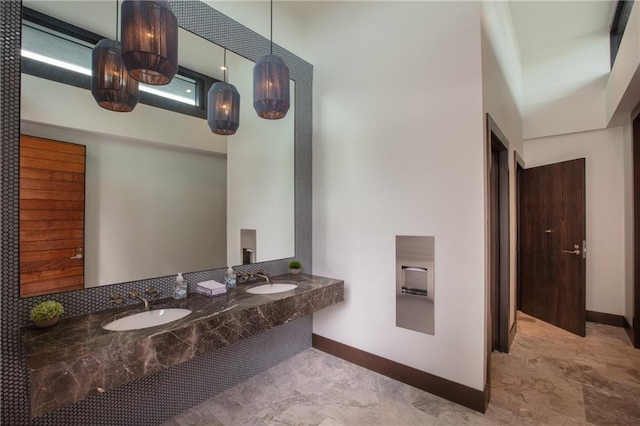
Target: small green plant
{"type": "Point", "coordinates": [46, 310]}
{"type": "Point", "coordinates": [294, 264]}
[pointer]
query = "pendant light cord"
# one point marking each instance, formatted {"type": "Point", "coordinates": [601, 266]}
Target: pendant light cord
{"type": "Point", "coordinates": [271, 35]}
{"type": "Point", "coordinates": [225, 66]}
{"type": "Point", "coordinates": [117, 16]}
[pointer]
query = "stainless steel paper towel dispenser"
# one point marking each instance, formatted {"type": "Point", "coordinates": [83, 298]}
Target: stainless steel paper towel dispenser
{"type": "Point", "coordinates": [415, 286]}
{"type": "Point", "coordinates": [248, 245]}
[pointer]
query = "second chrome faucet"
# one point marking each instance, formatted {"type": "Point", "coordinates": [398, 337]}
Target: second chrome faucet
{"type": "Point", "coordinates": [152, 292]}
{"type": "Point", "coordinates": [135, 295]}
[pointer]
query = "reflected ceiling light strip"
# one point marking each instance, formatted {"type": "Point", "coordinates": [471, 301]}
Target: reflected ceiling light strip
{"type": "Point", "coordinates": [55, 62]}
{"type": "Point", "coordinates": [111, 85]}
{"type": "Point", "coordinates": [87, 71]}
{"type": "Point", "coordinates": [223, 106]}
{"type": "Point", "coordinates": [150, 41]}
{"type": "Point", "coordinates": [271, 84]}
{"type": "Point", "coordinates": [144, 88]}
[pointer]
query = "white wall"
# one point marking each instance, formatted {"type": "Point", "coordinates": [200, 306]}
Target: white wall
{"type": "Point", "coordinates": [570, 87]}
{"type": "Point", "coordinates": [398, 150]}
{"type": "Point", "coordinates": [150, 210]}
{"type": "Point", "coordinates": [574, 67]}
{"type": "Point", "coordinates": [499, 34]}
{"type": "Point", "coordinates": [566, 115]}
{"type": "Point", "coordinates": [603, 150]}
{"type": "Point", "coordinates": [501, 101]}
{"type": "Point", "coordinates": [564, 86]}
{"type": "Point", "coordinates": [260, 174]}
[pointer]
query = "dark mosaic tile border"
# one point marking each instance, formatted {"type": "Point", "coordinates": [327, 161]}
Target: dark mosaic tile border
{"type": "Point", "coordinates": [160, 396]}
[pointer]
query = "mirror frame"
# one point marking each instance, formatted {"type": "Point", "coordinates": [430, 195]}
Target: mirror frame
{"type": "Point", "coordinates": [206, 22]}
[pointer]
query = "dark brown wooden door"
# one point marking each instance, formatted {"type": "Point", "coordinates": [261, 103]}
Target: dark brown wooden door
{"type": "Point", "coordinates": [51, 216]}
{"type": "Point", "coordinates": [553, 223]}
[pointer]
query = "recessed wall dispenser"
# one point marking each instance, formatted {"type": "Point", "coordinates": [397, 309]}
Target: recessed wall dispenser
{"type": "Point", "coordinates": [248, 243]}
{"type": "Point", "coordinates": [415, 287]}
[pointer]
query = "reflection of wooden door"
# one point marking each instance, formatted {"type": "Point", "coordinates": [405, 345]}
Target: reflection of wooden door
{"type": "Point", "coordinates": [51, 216]}
{"type": "Point", "coordinates": [553, 230]}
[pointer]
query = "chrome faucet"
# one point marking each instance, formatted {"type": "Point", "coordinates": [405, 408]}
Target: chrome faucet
{"type": "Point", "coordinates": [250, 275]}
{"type": "Point", "coordinates": [262, 275]}
{"type": "Point", "coordinates": [135, 295]}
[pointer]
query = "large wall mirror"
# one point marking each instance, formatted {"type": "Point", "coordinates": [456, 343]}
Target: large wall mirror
{"type": "Point", "coordinates": [161, 194]}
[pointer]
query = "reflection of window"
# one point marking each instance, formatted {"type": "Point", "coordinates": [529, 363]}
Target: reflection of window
{"type": "Point", "coordinates": [61, 52]}
{"type": "Point", "coordinates": [620, 19]}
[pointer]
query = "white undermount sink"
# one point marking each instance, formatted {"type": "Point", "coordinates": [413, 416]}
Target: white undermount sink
{"type": "Point", "coordinates": [271, 288]}
{"type": "Point", "coordinates": [146, 319]}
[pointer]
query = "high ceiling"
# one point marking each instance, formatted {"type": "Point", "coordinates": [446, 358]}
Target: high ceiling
{"type": "Point", "coordinates": [540, 24]}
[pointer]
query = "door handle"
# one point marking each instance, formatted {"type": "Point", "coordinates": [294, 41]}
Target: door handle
{"type": "Point", "coordinates": [576, 251]}
{"type": "Point", "coordinates": [77, 256]}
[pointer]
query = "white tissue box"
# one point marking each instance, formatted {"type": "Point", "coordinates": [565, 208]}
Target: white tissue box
{"type": "Point", "coordinates": [212, 285]}
{"type": "Point", "coordinates": [208, 292]}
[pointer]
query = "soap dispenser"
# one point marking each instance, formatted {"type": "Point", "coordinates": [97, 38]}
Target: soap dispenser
{"type": "Point", "coordinates": [230, 278]}
{"type": "Point", "coordinates": [180, 289]}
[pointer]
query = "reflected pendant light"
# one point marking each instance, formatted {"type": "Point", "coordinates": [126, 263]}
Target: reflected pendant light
{"type": "Point", "coordinates": [271, 84]}
{"type": "Point", "coordinates": [150, 41]}
{"type": "Point", "coordinates": [111, 85]}
{"type": "Point", "coordinates": [223, 106]}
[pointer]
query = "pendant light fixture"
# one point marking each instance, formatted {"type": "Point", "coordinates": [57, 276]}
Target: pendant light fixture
{"type": "Point", "coordinates": [223, 106]}
{"type": "Point", "coordinates": [150, 41]}
{"type": "Point", "coordinates": [111, 85]}
{"type": "Point", "coordinates": [271, 84]}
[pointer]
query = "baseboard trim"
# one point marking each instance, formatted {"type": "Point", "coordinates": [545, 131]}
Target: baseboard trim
{"type": "Point", "coordinates": [455, 392]}
{"type": "Point", "coordinates": [608, 319]}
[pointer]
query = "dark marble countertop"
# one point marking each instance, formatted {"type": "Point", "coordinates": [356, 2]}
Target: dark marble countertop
{"type": "Point", "coordinates": [78, 358]}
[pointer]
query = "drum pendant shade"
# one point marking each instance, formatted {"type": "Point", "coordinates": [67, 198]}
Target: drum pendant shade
{"type": "Point", "coordinates": [149, 41]}
{"type": "Point", "coordinates": [223, 113]}
{"type": "Point", "coordinates": [271, 87]}
{"type": "Point", "coordinates": [111, 85]}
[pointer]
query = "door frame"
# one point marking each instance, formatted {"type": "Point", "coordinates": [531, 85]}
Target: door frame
{"type": "Point", "coordinates": [635, 143]}
{"type": "Point", "coordinates": [518, 167]}
{"type": "Point", "coordinates": [500, 299]}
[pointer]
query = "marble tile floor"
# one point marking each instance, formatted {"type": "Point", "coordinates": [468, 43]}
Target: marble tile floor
{"type": "Point", "coordinates": [551, 377]}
